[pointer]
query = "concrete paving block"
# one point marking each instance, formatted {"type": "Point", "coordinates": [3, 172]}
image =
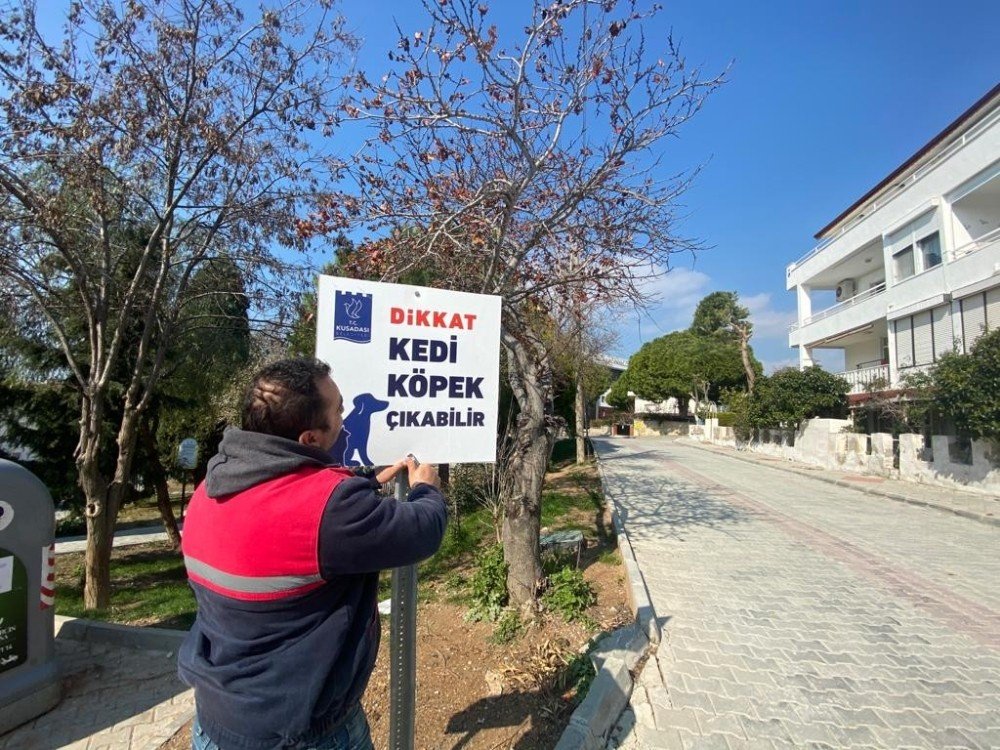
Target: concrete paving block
{"type": "Point", "coordinates": [706, 742]}
{"type": "Point", "coordinates": [722, 725]}
{"type": "Point", "coordinates": [660, 739]}
{"type": "Point", "coordinates": [644, 714]}
{"type": "Point", "coordinates": [676, 718]}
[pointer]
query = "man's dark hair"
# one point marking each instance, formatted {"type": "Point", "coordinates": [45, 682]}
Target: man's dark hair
{"type": "Point", "coordinates": [284, 399]}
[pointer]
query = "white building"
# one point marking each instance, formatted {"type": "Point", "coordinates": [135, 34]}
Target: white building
{"type": "Point", "coordinates": [617, 366]}
{"type": "Point", "coordinates": [914, 264]}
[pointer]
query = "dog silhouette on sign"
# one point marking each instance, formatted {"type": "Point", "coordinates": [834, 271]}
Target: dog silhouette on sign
{"type": "Point", "coordinates": [353, 437]}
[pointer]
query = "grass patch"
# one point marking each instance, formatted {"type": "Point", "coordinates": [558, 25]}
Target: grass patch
{"type": "Point", "coordinates": [610, 557]}
{"type": "Point", "coordinates": [573, 498]}
{"type": "Point", "coordinates": [148, 587]}
{"type": "Point", "coordinates": [556, 506]}
{"type": "Point", "coordinates": [564, 452]}
{"type": "Point", "coordinates": [461, 541]}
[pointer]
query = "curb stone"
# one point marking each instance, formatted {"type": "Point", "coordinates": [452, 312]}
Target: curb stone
{"type": "Point", "coordinates": [111, 634]}
{"type": "Point", "coordinates": [989, 520]}
{"type": "Point", "coordinates": [615, 656]}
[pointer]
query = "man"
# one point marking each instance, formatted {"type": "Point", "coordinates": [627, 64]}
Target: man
{"type": "Point", "coordinates": [283, 551]}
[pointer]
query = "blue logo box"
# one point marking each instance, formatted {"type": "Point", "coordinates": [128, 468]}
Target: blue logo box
{"type": "Point", "coordinates": [352, 319]}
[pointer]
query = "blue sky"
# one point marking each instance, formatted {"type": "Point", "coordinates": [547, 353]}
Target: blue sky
{"type": "Point", "coordinates": [823, 101]}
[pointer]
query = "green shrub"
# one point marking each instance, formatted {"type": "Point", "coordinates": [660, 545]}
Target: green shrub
{"type": "Point", "coordinates": [569, 594]}
{"type": "Point", "coordinates": [71, 526]}
{"type": "Point", "coordinates": [488, 587]}
{"type": "Point", "coordinates": [470, 485]}
{"type": "Point", "coordinates": [508, 627]}
{"type": "Point", "coordinates": [727, 419]}
{"type": "Point", "coordinates": [576, 677]}
{"type": "Point", "coordinates": [967, 388]}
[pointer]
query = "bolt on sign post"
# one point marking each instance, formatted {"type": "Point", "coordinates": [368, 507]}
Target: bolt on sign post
{"type": "Point", "coordinates": [419, 370]}
{"type": "Point", "coordinates": [29, 677]}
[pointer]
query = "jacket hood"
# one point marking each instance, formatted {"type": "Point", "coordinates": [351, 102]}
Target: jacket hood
{"type": "Point", "coordinates": [246, 459]}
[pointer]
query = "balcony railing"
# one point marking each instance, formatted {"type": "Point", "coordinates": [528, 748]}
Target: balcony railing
{"type": "Point", "coordinates": [863, 378]}
{"type": "Point", "coordinates": [840, 306]}
{"type": "Point", "coordinates": [990, 238]}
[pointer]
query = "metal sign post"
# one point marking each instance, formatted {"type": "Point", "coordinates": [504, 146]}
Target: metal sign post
{"type": "Point", "coordinates": [403, 647]}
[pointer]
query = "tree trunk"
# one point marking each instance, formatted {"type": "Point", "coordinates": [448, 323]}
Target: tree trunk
{"type": "Point", "coordinates": [97, 559]}
{"type": "Point", "coordinates": [530, 379]}
{"type": "Point", "coordinates": [97, 564]}
{"type": "Point", "coordinates": [580, 409]}
{"type": "Point", "coordinates": [158, 476]}
{"type": "Point", "coordinates": [103, 499]}
{"type": "Point", "coordinates": [745, 354]}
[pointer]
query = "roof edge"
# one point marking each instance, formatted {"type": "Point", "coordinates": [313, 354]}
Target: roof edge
{"type": "Point", "coordinates": [935, 141]}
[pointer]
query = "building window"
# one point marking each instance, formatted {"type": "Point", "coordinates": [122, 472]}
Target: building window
{"type": "Point", "coordinates": [922, 339]}
{"type": "Point", "coordinates": [903, 261]}
{"type": "Point", "coordinates": [973, 319]}
{"type": "Point", "coordinates": [930, 250]}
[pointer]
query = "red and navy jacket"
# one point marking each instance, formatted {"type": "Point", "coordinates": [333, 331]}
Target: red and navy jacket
{"type": "Point", "coordinates": [283, 552]}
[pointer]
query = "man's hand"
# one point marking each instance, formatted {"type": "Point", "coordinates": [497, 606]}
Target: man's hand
{"type": "Point", "coordinates": [422, 473]}
{"type": "Point", "coordinates": [419, 473]}
{"type": "Point", "coordinates": [390, 472]}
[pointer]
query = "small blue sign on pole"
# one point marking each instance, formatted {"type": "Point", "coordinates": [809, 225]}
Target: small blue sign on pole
{"type": "Point", "coordinates": [187, 453]}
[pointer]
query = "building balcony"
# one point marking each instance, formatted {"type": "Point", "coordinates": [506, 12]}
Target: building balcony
{"type": "Point", "coordinates": [989, 241]}
{"type": "Point", "coordinates": [868, 376]}
{"type": "Point", "coordinates": [845, 316]}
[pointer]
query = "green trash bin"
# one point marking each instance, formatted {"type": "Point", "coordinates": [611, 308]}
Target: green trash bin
{"type": "Point", "coordinates": [29, 676]}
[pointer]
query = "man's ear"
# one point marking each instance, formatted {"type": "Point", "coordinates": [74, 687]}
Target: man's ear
{"type": "Point", "coordinates": [309, 437]}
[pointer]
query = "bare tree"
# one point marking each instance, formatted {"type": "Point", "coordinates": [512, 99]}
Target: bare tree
{"type": "Point", "coordinates": [183, 120]}
{"type": "Point", "coordinates": [481, 154]}
{"type": "Point", "coordinates": [582, 334]}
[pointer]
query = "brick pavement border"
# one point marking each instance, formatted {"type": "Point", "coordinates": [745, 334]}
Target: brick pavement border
{"type": "Point", "coordinates": [868, 490]}
{"type": "Point", "coordinates": [616, 656]}
{"type": "Point", "coordinates": [125, 636]}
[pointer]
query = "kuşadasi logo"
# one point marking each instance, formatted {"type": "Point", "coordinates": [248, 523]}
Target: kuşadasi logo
{"type": "Point", "coordinates": [352, 319]}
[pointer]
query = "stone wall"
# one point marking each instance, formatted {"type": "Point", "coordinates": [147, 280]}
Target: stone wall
{"type": "Point", "coordinates": [649, 426]}
{"type": "Point", "coordinates": [828, 443]}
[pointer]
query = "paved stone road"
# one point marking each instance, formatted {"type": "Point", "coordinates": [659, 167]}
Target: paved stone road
{"type": "Point", "coordinates": [800, 614]}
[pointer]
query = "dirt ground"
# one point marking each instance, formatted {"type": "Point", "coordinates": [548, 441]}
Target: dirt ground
{"type": "Point", "coordinates": [475, 694]}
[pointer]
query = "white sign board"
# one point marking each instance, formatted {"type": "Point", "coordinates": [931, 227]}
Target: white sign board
{"type": "Point", "coordinates": [419, 370]}
{"type": "Point", "coordinates": [187, 453]}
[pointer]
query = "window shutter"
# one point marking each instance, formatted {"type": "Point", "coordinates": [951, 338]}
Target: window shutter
{"type": "Point", "coordinates": [944, 339]}
{"type": "Point", "coordinates": [923, 353]}
{"type": "Point", "coordinates": [904, 343]}
{"type": "Point", "coordinates": [993, 308]}
{"type": "Point", "coordinates": [973, 320]}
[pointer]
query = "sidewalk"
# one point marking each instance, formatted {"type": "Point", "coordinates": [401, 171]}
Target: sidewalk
{"type": "Point", "coordinates": [123, 538]}
{"type": "Point", "coordinates": [973, 505]}
{"type": "Point", "coordinates": [120, 691]}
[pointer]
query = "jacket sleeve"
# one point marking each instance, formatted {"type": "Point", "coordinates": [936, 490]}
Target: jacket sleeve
{"type": "Point", "coordinates": [362, 531]}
